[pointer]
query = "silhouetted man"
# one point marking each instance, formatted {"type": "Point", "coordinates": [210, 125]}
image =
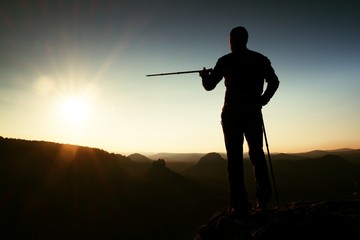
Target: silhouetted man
{"type": "Point", "coordinates": [244, 72]}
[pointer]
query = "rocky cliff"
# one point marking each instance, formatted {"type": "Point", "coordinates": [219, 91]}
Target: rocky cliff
{"type": "Point", "coordinates": [297, 220]}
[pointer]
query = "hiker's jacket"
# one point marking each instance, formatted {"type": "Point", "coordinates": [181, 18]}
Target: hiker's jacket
{"type": "Point", "coordinates": [244, 74]}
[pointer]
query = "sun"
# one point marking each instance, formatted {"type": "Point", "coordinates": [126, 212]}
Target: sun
{"type": "Point", "coordinates": [74, 110]}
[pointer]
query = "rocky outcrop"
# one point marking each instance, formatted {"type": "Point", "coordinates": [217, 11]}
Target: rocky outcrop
{"type": "Point", "coordinates": [297, 220]}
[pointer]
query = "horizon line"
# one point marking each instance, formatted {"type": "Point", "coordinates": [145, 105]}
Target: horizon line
{"type": "Point", "coordinates": [147, 153]}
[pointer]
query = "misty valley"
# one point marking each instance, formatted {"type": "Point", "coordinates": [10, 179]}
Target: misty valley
{"type": "Point", "coordinates": [61, 191]}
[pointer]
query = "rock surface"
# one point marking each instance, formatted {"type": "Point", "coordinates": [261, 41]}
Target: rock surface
{"type": "Point", "coordinates": [296, 220]}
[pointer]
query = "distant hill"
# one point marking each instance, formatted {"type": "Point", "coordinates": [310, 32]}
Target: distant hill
{"type": "Point", "coordinates": [284, 156]}
{"type": "Point", "coordinates": [162, 176]}
{"type": "Point", "coordinates": [351, 155]}
{"type": "Point", "coordinates": [136, 157]}
{"type": "Point", "coordinates": [312, 154]}
{"type": "Point", "coordinates": [178, 157]}
{"type": "Point", "coordinates": [176, 165]}
{"type": "Point", "coordinates": [212, 165]}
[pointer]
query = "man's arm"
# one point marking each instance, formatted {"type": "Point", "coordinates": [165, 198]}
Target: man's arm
{"type": "Point", "coordinates": [272, 84]}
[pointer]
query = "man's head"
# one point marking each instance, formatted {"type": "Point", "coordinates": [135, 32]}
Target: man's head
{"type": "Point", "coordinates": [238, 38]}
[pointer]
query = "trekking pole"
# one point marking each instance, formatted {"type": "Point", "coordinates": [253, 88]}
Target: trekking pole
{"type": "Point", "coordinates": [175, 73]}
{"type": "Point", "coordinates": [271, 168]}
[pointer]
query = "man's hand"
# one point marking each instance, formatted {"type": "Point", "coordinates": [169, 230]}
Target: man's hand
{"type": "Point", "coordinates": [264, 100]}
{"type": "Point", "coordinates": [208, 82]}
{"type": "Point", "coordinates": [204, 73]}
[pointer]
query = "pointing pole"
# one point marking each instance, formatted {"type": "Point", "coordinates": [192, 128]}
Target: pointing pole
{"type": "Point", "coordinates": [174, 73]}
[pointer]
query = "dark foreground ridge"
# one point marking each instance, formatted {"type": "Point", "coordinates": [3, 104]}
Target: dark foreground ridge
{"type": "Point", "coordinates": [296, 220]}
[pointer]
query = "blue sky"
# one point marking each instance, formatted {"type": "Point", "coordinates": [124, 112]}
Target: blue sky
{"type": "Point", "coordinates": [74, 72]}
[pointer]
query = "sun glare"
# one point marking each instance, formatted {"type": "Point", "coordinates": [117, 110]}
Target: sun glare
{"type": "Point", "coordinates": [74, 110]}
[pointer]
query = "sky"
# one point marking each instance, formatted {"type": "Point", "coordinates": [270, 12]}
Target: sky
{"type": "Point", "coordinates": [75, 72]}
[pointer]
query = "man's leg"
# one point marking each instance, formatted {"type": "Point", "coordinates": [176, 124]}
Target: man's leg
{"type": "Point", "coordinates": [233, 136]}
